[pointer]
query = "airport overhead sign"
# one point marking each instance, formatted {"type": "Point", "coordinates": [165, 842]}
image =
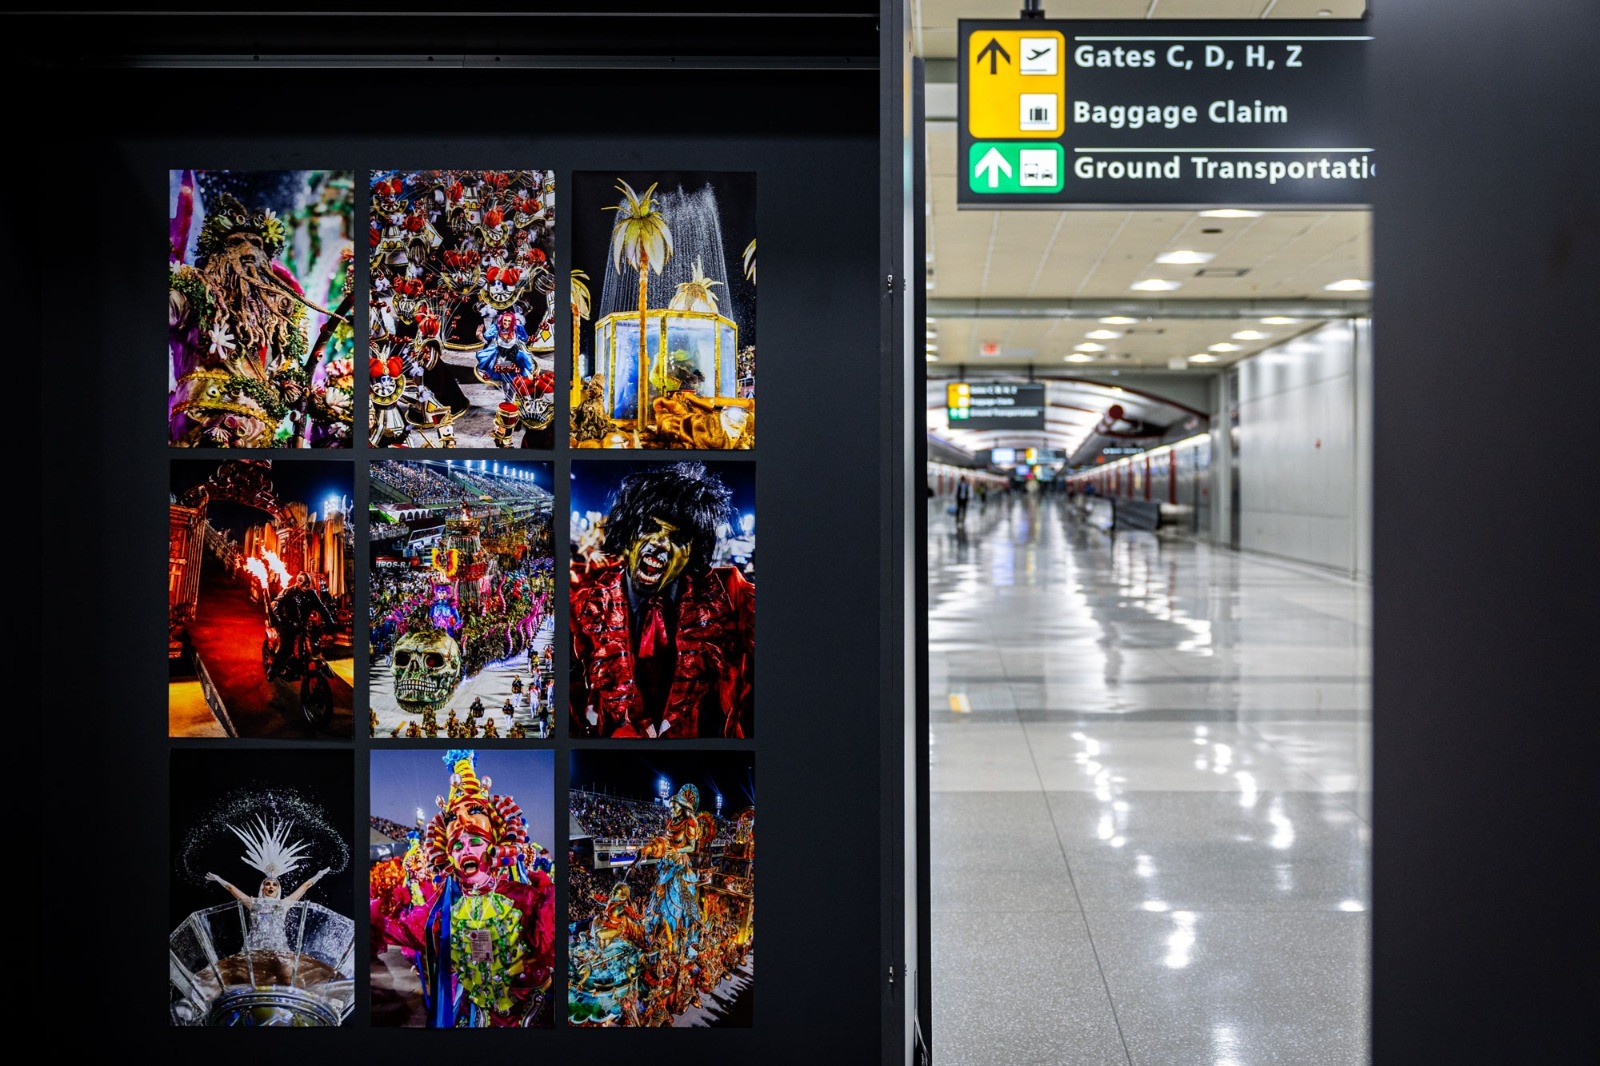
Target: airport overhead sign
{"type": "Point", "coordinates": [994, 405]}
{"type": "Point", "coordinates": [1154, 113]}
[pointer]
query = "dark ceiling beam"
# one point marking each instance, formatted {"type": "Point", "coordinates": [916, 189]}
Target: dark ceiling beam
{"type": "Point", "coordinates": [582, 38]}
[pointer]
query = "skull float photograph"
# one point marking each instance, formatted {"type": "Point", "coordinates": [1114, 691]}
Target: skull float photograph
{"type": "Point", "coordinates": [663, 304]}
{"type": "Point", "coordinates": [661, 889]}
{"type": "Point", "coordinates": [260, 289]}
{"type": "Point", "coordinates": [663, 600]}
{"type": "Point", "coordinates": [462, 309]}
{"type": "Point", "coordinates": [461, 599]}
{"type": "Point", "coordinates": [260, 556]}
{"type": "Point", "coordinates": [427, 670]}
{"type": "Point", "coordinates": [460, 892]}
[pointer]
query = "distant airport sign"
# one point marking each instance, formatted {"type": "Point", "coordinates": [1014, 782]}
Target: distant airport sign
{"type": "Point", "coordinates": [1058, 112]}
{"type": "Point", "coordinates": [994, 405]}
{"type": "Point", "coordinates": [1027, 456]}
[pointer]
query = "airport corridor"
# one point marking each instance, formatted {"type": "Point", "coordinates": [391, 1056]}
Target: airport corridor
{"type": "Point", "coordinates": [1150, 808]}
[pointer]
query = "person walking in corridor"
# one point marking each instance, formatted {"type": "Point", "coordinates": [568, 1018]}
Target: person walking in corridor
{"type": "Point", "coordinates": [963, 497]}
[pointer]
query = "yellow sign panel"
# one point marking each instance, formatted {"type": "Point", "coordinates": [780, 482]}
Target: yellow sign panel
{"type": "Point", "coordinates": [956, 395]}
{"type": "Point", "coordinates": [1016, 84]}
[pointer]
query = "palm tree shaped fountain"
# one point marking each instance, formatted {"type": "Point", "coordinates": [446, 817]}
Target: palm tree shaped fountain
{"type": "Point", "coordinates": [640, 236]}
{"type": "Point", "coordinates": [688, 343]}
{"type": "Point", "coordinates": [580, 313]}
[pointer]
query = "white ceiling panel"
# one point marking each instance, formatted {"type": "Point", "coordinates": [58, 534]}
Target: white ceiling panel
{"type": "Point", "coordinates": [1147, 344]}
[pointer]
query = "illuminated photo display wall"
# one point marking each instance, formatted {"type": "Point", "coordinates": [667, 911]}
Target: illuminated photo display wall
{"type": "Point", "coordinates": [434, 615]}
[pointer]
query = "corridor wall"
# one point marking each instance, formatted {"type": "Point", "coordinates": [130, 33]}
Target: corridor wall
{"type": "Point", "coordinates": [1304, 449]}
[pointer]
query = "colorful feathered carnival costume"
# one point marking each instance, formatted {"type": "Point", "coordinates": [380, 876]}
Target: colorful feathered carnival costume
{"type": "Point", "coordinates": [251, 367]}
{"type": "Point", "coordinates": [488, 945]}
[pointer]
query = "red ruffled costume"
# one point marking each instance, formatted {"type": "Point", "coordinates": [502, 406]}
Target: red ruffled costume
{"type": "Point", "coordinates": [713, 669]}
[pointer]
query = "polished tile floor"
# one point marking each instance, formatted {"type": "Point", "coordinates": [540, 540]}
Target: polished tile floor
{"type": "Point", "coordinates": [1150, 799]}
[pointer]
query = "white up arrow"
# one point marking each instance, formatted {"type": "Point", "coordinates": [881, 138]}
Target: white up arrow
{"type": "Point", "coordinates": [994, 163]}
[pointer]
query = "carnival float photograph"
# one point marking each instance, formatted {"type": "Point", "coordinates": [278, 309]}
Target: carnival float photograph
{"type": "Point", "coordinates": [663, 304]}
{"type": "Point", "coordinates": [462, 309]}
{"type": "Point", "coordinates": [261, 901]}
{"type": "Point", "coordinates": [461, 599]}
{"type": "Point", "coordinates": [662, 593]}
{"type": "Point", "coordinates": [461, 896]}
{"type": "Point", "coordinates": [260, 555]}
{"type": "Point", "coordinates": [661, 888]}
{"type": "Point", "coordinates": [260, 280]}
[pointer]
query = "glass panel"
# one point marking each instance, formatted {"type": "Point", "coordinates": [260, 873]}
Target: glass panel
{"type": "Point", "coordinates": [624, 368]}
{"type": "Point", "coordinates": [729, 340]}
{"type": "Point", "coordinates": [691, 355]}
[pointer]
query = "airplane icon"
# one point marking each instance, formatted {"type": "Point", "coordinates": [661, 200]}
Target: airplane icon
{"type": "Point", "coordinates": [1039, 55]}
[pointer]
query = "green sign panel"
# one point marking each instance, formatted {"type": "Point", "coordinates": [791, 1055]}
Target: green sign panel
{"type": "Point", "coordinates": [1015, 167]}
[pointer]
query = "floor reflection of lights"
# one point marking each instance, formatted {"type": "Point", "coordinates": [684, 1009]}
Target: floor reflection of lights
{"type": "Point", "coordinates": [1165, 746]}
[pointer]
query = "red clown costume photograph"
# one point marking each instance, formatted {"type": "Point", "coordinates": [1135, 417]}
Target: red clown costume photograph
{"type": "Point", "coordinates": [663, 600]}
{"type": "Point", "coordinates": [470, 907]}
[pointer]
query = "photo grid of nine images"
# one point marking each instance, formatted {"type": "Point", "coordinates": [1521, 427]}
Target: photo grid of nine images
{"type": "Point", "coordinates": [553, 584]}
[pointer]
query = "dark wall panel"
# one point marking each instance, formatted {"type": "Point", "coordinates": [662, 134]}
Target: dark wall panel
{"type": "Point", "coordinates": [811, 137]}
{"type": "Point", "coordinates": [1487, 243]}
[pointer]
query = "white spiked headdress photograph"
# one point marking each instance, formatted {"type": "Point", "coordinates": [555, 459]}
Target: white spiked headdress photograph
{"type": "Point", "coordinates": [269, 849]}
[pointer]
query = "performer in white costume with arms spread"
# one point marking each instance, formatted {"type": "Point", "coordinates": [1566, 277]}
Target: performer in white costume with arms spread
{"type": "Point", "coordinates": [269, 849]}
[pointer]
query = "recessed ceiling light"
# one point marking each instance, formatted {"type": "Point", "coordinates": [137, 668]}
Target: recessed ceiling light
{"type": "Point", "coordinates": [930, 357]}
{"type": "Point", "coordinates": [1103, 334]}
{"type": "Point", "coordinates": [1229, 212]}
{"type": "Point", "coordinates": [931, 347]}
{"type": "Point", "coordinates": [1202, 357]}
{"type": "Point", "coordinates": [930, 283]}
{"type": "Point", "coordinates": [1349, 285]}
{"type": "Point", "coordinates": [1279, 320]}
{"type": "Point", "coordinates": [1251, 335]}
{"type": "Point", "coordinates": [1155, 285]}
{"type": "Point", "coordinates": [1184, 257]}
{"type": "Point", "coordinates": [1118, 320]}
{"type": "Point", "coordinates": [1080, 357]}
{"type": "Point", "coordinates": [1225, 347]}
{"type": "Point", "coordinates": [1090, 346]}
